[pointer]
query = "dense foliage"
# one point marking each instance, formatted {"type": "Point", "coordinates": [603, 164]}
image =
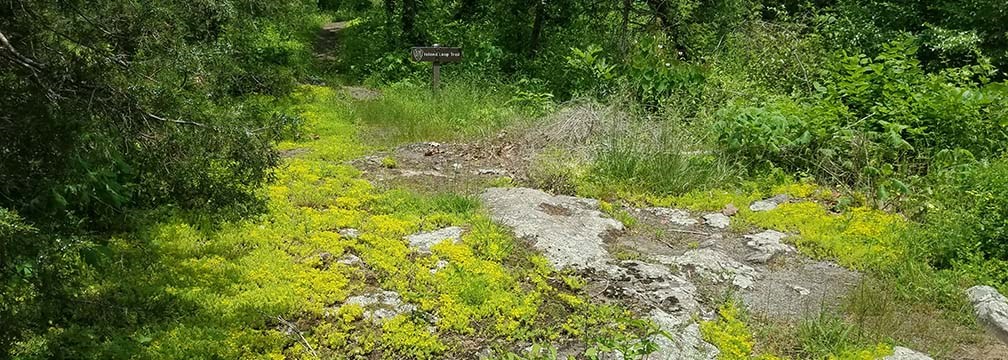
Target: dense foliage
{"type": "Point", "coordinates": [117, 105]}
{"type": "Point", "coordinates": [129, 129]}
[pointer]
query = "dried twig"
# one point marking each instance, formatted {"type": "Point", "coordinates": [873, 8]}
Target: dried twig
{"type": "Point", "coordinates": [295, 329]}
{"type": "Point", "coordinates": [690, 232]}
{"type": "Point", "coordinates": [183, 122]}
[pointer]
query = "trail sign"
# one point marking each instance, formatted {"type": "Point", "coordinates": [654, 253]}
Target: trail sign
{"type": "Point", "coordinates": [436, 55]}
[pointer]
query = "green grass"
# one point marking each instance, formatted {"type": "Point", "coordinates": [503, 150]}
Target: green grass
{"type": "Point", "coordinates": [409, 111]}
{"type": "Point", "coordinates": [667, 161]}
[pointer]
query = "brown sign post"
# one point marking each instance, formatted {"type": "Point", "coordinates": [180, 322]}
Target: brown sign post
{"type": "Point", "coordinates": [436, 55]}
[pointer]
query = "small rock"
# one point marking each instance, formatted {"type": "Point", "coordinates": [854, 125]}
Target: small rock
{"type": "Point", "coordinates": [991, 310]}
{"type": "Point", "coordinates": [350, 260]}
{"type": "Point", "coordinates": [767, 245]}
{"type": "Point", "coordinates": [456, 167]}
{"type": "Point", "coordinates": [717, 220]}
{"type": "Point", "coordinates": [425, 240]}
{"type": "Point", "coordinates": [574, 240]}
{"type": "Point", "coordinates": [381, 305]}
{"type": "Point", "coordinates": [494, 172]}
{"type": "Point", "coordinates": [325, 257]}
{"type": "Point", "coordinates": [674, 216]}
{"type": "Point", "coordinates": [801, 290]}
{"type": "Point", "coordinates": [349, 233]}
{"type": "Point", "coordinates": [729, 210]}
{"type": "Point", "coordinates": [902, 353]}
{"type": "Point", "coordinates": [769, 204]}
{"type": "Point", "coordinates": [441, 264]}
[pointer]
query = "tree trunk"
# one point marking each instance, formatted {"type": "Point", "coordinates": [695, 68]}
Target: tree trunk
{"type": "Point", "coordinates": [537, 26]}
{"type": "Point", "coordinates": [409, 13]}
{"type": "Point", "coordinates": [625, 27]}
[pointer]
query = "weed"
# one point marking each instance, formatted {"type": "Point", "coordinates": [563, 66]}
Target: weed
{"type": "Point", "coordinates": [389, 162]}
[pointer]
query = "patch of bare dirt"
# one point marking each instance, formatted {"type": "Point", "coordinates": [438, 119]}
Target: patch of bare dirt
{"type": "Point", "coordinates": [465, 168]}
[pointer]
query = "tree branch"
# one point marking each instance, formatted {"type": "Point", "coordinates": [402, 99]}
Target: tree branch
{"type": "Point", "coordinates": [24, 61]}
{"type": "Point", "coordinates": [174, 121]}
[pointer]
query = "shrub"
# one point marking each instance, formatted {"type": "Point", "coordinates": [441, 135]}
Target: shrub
{"type": "Point", "coordinates": [969, 219]}
{"type": "Point", "coordinates": [873, 122]}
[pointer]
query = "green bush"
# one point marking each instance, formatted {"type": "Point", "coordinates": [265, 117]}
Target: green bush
{"type": "Point", "coordinates": [969, 219]}
{"type": "Point", "coordinates": [873, 122]}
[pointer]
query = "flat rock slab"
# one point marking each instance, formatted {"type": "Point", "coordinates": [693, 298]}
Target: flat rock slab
{"type": "Point", "coordinates": [717, 267]}
{"type": "Point", "coordinates": [423, 242]}
{"type": "Point", "coordinates": [799, 289]}
{"type": "Point", "coordinates": [902, 353]}
{"type": "Point", "coordinates": [568, 230]}
{"type": "Point", "coordinates": [991, 310]}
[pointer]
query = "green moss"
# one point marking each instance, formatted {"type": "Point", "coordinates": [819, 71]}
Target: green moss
{"type": "Point", "coordinates": [389, 163]}
{"type": "Point", "coordinates": [860, 238]}
{"type": "Point", "coordinates": [617, 212]}
{"type": "Point", "coordinates": [730, 335]}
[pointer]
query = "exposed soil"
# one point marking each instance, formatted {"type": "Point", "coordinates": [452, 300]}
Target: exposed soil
{"type": "Point", "coordinates": [465, 168]}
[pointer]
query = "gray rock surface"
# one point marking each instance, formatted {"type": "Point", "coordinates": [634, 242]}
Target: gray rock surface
{"type": "Point", "coordinates": [717, 220]}
{"type": "Point", "coordinates": [799, 289]}
{"type": "Point", "coordinates": [568, 230]}
{"type": "Point", "coordinates": [380, 305]}
{"type": "Point", "coordinates": [718, 267]}
{"type": "Point", "coordinates": [425, 240]}
{"type": "Point", "coordinates": [673, 216]}
{"type": "Point", "coordinates": [438, 266]}
{"type": "Point", "coordinates": [991, 310]}
{"type": "Point", "coordinates": [769, 204]}
{"type": "Point", "coordinates": [350, 260]}
{"type": "Point", "coordinates": [902, 353]}
{"type": "Point", "coordinates": [767, 244]}
{"type": "Point", "coordinates": [349, 233]}
{"type": "Point", "coordinates": [684, 341]}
